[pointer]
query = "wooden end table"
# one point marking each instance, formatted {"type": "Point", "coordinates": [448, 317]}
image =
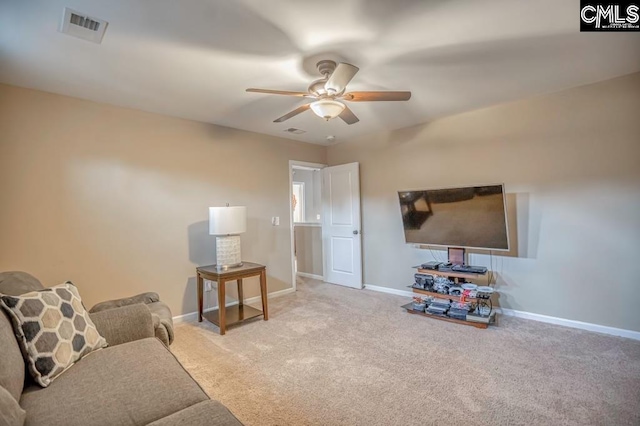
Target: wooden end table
{"type": "Point", "coordinates": [237, 313]}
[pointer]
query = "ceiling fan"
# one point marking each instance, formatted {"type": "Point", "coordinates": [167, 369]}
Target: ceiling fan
{"type": "Point", "coordinates": [329, 92]}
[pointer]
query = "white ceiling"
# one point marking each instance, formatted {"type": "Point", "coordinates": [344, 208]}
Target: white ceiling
{"type": "Point", "coordinates": [194, 58]}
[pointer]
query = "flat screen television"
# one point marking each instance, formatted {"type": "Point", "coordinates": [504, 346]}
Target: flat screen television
{"type": "Point", "coordinates": [467, 217]}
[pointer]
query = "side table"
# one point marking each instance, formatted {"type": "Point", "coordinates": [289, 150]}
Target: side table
{"type": "Point", "coordinates": [237, 313]}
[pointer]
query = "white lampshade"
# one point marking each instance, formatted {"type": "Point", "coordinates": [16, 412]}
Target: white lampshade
{"type": "Point", "coordinates": [227, 220]}
{"type": "Point", "coordinates": [327, 109]}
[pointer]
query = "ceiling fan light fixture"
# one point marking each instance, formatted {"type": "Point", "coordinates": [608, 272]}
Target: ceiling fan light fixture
{"type": "Point", "coordinates": [327, 108]}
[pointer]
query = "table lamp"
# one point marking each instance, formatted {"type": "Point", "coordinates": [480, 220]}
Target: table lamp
{"type": "Point", "coordinates": [226, 223]}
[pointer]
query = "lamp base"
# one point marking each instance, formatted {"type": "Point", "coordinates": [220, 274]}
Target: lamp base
{"type": "Point", "coordinates": [228, 253]}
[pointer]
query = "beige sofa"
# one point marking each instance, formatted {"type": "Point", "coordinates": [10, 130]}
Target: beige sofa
{"type": "Point", "coordinates": [134, 381]}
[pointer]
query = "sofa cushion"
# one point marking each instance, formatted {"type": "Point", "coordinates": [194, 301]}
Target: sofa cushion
{"type": "Point", "coordinates": [53, 328]}
{"type": "Point", "coordinates": [11, 361]}
{"type": "Point", "coordinates": [12, 367]}
{"type": "Point", "coordinates": [203, 413]}
{"type": "Point", "coordinates": [15, 283]}
{"type": "Point", "coordinates": [12, 374]}
{"type": "Point", "coordinates": [10, 412]}
{"type": "Point", "coordinates": [134, 383]}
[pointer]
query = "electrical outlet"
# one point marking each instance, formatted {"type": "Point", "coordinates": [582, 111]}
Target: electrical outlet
{"type": "Point", "coordinates": [207, 285]}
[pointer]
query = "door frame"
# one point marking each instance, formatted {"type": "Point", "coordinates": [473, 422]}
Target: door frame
{"type": "Point", "coordinates": [293, 163]}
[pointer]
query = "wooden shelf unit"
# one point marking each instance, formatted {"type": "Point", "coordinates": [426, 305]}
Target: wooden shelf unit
{"type": "Point", "coordinates": [459, 278]}
{"type": "Point", "coordinates": [409, 308]}
{"type": "Point", "coordinates": [440, 296]}
{"type": "Point", "coordinates": [454, 274]}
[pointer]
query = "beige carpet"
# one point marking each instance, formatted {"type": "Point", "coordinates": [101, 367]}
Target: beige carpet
{"type": "Point", "coordinates": [335, 356]}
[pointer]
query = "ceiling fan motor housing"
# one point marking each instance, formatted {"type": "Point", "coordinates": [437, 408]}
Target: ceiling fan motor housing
{"type": "Point", "coordinates": [317, 87]}
{"type": "Point", "coordinates": [326, 67]}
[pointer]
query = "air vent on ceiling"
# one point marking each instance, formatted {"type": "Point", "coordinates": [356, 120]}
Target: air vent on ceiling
{"type": "Point", "coordinates": [294, 131]}
{"type": "Point", "coordinates": [86, 22]}
{"type": "Point", "coordinates": [80, 25]}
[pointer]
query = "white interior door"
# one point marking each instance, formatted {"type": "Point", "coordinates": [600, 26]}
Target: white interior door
{"type": "Point", "coordinates": [341, 236]}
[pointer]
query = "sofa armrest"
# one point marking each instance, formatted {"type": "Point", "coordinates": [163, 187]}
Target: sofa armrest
{"type": "Point", "coordinates": [144, 298]}
{"type": "Point", "coordinates": [124, 324]}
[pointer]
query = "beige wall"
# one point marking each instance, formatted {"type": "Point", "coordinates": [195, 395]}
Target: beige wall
{"type": "Point", "coordinates": [571, 165]}
{"type": "Point", "coordinates": [309, 249]}
{"type": "Point", "coordinates": [117, 200]}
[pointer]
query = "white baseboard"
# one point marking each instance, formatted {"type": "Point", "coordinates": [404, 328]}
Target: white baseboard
{"type": "Point", "coordinates": [630, 334]}
{"type": "Point", "coordinates": [313, 276]}
{"type": "Point", "coordinates": [193, 316]}
{"type": "Point", "coordinates": [389, 290]}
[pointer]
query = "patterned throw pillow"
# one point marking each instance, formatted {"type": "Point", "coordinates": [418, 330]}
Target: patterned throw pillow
{"type": "Point", "coordinates": [53, 329]}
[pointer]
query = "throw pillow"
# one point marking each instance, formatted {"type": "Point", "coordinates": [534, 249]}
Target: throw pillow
{"type": "Point", "coordinates": [11, 414]}
{"type": "Point", "coordinates": [53, 328]}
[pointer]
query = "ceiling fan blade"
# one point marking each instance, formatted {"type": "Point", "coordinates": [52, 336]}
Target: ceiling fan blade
{"type": "Point", "coordinates": [280, 92]}
{"type": "Point", "coordinates": [376, 96]}
{"type": "Point", "coordinates": [293, 113]}
{"type": "Point", "coordinates": [340, 77]}
{"type": "Point", "coordinates": [348, 116]}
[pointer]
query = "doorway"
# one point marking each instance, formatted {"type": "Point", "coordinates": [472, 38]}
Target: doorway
{"type": "Point", "coordinates": [326, 241]}
{"type": "Point", "coordinates": [306, 219]}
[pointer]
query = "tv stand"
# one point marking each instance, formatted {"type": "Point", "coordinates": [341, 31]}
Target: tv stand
{"type": "Point", "coordinates": [458, 278]}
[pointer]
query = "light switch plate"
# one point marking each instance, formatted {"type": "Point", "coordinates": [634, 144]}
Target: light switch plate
{"type": "Point", "coordinates": [207, 285]}
{"type": "Point", "coordinates": [275, 220]}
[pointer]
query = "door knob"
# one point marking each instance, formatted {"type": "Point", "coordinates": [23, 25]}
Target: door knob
{"type": "Point", "coordinates": [355, 232]}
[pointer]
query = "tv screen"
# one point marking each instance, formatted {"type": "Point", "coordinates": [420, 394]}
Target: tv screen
{"type": "Point", "coordinates": [468, 217]}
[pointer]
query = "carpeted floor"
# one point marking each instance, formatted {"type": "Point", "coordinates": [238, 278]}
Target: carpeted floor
{"type": "Point", "coordinates": [330, 355]}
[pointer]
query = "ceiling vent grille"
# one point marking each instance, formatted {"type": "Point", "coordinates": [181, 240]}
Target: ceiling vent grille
{"type": "Point", "coordinates": [80, 25]}
{"type": "Point", "coordinates": [85, 22]}
{"type": "Point", "coordinates": [294, 131]}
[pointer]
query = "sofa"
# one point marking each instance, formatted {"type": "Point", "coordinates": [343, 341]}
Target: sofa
{"type": "Point", "coordinates": [136, 380]}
